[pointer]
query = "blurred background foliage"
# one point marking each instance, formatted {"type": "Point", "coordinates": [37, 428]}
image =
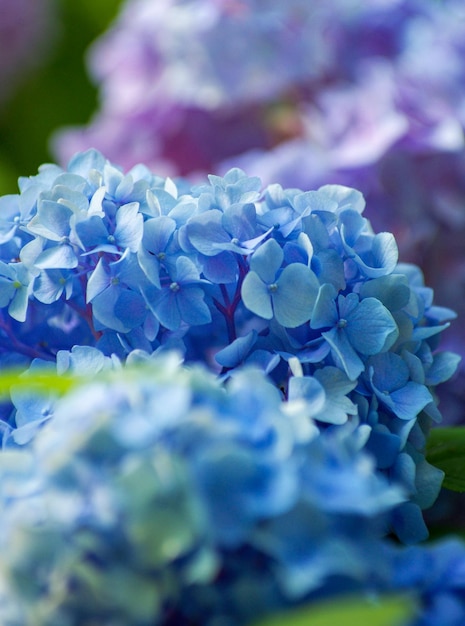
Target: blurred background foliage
{"type": "Point", "coordinates": [57, 92]}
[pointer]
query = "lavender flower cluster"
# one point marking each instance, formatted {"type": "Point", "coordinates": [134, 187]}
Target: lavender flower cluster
{"type": "Point", "coordinates": [367, 94]}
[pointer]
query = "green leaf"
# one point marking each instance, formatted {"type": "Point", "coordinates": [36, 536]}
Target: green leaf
{"type": "Point", "coordinates": [387, 611]}
{"type": "Point", "coordinates": [446, 449]}
{"type": "Point", "coordinates": [39, 380]}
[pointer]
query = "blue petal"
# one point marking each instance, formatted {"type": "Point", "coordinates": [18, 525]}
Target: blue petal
{"type": "Point", "coordinates": [309, 389]}
{"type": "Point", "coordinates": [129, 225]}
{"type": "Point", "coordinates": [329, 268]}
{"type": "Point", "coordinates": [48, 286]}
{"type": "Point", "coordinates": [393, 291]}
{"type": "Point", "coordinates": [221, 268]}
{"type": "Point", "coordinates": [239, 220]}
{"type": "Point", "coordinates": [236, 352]}
{"type": "Point", "coordinates": [119, 309]}
{"type": "Point", "coordinates": [192, 306]}
{"type": "Point", "coordinates": [206, 232]}
{"type": "Point", "coordinates": [51, 221]}
{"type": "Point", "coordinates": [325, 312]}
{"type": "Point", "coordinates": [91, 232]}
{"type": "Point", "coordinates": [371, 327]}
{"type": "Point", "coordinates": [98, 281]}
{"type": "Point", "coordinates": [443, 367]}
{"type": "Point", "coordinates": [57, 257]}
{"type": "Point", "coordinates": [158, 233]}
{"type": "Point", "coordinates": [266, 260]}
{"type": "Point", "coordinates": [388, 371]}
{"type": "Point", "coordinates": [408, 401]}
{"type": "Point", "coordinates": [295, 297]}
{"type": "Point", "coordinates": [409, 524]}
{"type": "Point", "coordinates": [337, 406]}
{"type": "Point", "coordinates": [162, 303]}
{"type": "Point", "coordinates": [256, 297]}
{"type": "Point", "coordinates": [150, 265]}
{"type": "Point", "coordinates": [18, 305]}
{"type": "Point", "coordinates": [344, 352]}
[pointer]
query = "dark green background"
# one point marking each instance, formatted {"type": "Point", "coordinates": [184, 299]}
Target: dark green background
{"type": "Point", "coordinates": [59, 93]}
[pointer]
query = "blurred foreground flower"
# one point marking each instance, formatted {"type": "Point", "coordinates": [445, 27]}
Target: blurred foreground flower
{"type": "Point", "coordinates": [157, 495]}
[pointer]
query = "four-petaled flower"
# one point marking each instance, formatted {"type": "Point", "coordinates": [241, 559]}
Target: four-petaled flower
{"type": "Point", "coordinates": [356, 328]}
{"type": "Point", "coordinates": [287, 294]}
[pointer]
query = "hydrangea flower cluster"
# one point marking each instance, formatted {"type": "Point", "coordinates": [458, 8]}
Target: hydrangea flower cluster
{"type": "Point", "coordinates": [295, 283]}
{"type": "Point", "coordinates": [367, 94]}
{"type": "Point", "coordinates": [158, 496]}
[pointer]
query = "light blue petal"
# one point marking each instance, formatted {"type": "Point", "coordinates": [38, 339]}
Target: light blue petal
{"type": "Point", "coordinates": [239, 220]}
{"type": "Point", "coordinates": [309, 389]}
{"type": "Point", "coordinates": [150, 265]}
{"type": "Point", "coordinates": [206, 232]}
{"type": "Point", "coordinates": [344, 197]}
{"type": "Point", "coordinates": [83, 162]}
{"type": "Point", "coordinates": [393, 291]}
{"type": "Point", "coordinates": [352, 226]}
{"type": "Point", "coordinates": [344, 353]}
{"type": "Point", "coordinates": [236, 351]}
{"type": "Point", "coordinates": [84, 360]}
{"type": "Point", "coordinates": [256, 297]}
{"type": "Point", "coordinates": [443, 367]}
{"type": "Point", "coordinates": [337, 406]}
{"type": "Point", "coordinates": [18, 305]}
{"type": "Point", "coordinates": [408, 401]}
{"type": "Point", "coordinates": [369, 326]}
{"type": "Point", "coordinates": [192, 306]}
{"type": "Point", "coordinates": [158, 232]}
{"type": "Point", "coordinates": [51, 221]}
{"type": "Point", "coordinates": [382, 259]}
{"type": "Point", "coordinates": [425, 332]}
{"type": "Point", "coordinates": [91, 232]}
{"type": "Point", "coordinates": [162, 303]}
{"type": "Point", "coordinates": [186, 271]}
{"type": "Point", "coordinates": [98, 281]}
{"type": "Point", "coordinates": [57, 257]}
{"type": "Point", "coordinates": [266, 260]}
{"type": "Point", "coordinates": [48, 286]}
{"type": "Point", "coordinates": [295, 297]}
{"type": "Point", "coordinates": [129, 226]}
{"type": "Point", "coordinates": [325, 311]}
{"type": "Point", "coordinates": [329, 268]}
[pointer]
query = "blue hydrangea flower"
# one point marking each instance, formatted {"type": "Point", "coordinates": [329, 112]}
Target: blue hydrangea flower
{"type": "Point", "coordinates": [230, 274]}
{"type": "Point", "coordinates": [288, 295]}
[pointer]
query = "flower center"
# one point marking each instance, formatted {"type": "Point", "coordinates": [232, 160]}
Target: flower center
{"type": "Point", "coordinates": [342, 323]}
{"type": "Point", "coordinates": [273, 287]}
{"type": "Point", "coordinates": [174, 287]}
